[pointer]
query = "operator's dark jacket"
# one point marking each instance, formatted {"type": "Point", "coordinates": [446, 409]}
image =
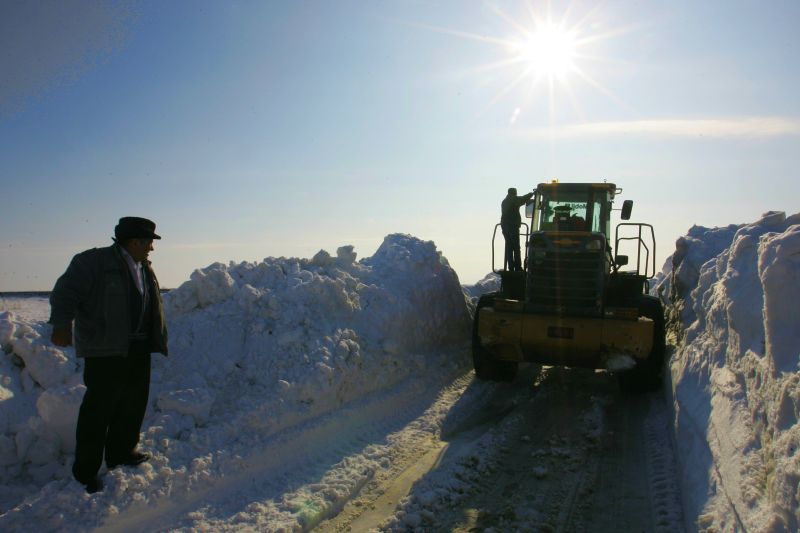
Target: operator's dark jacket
{"type": "Point", "coordinates": [509, 209]}
{"type": "Point", "coordinates": [94, 291]}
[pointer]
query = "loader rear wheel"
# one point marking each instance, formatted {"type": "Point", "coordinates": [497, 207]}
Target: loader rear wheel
{"type": "Point", "coordinates": [487, 367]}
{"type": "Point", "coordinates": [646, 375]}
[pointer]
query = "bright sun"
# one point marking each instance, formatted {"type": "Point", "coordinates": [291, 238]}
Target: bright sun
{"type": "Point", "coordinates": [547, 53]}
{"type": "Point", "coordinates": [544, 52]}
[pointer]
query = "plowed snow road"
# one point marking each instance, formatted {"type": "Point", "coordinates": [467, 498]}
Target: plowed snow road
{"type": "Point", "coordinates": [557, 450]}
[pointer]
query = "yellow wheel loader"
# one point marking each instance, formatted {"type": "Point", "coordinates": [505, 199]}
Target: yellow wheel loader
{"type": "Point", "coordinates": [575, 302]}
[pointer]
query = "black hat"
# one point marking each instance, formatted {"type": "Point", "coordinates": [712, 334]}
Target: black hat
{"type": "Point", "coordinates": [135, 228]}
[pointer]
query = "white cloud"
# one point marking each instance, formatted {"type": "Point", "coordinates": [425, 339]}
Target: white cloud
{"type": "Point", "coordinates": [715, 128]}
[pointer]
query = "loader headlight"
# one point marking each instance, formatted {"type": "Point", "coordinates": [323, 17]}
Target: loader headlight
{"type": "Point", "coordinates": [594, 244]}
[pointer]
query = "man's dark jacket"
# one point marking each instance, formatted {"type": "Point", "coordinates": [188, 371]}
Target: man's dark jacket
{"type": "Point", "coordinates": [509, 209]}
{"type": "Point", "coordinates": [95, 291]}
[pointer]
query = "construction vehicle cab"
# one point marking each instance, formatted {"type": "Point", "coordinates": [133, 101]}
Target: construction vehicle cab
{"type": "Point", "coordinates": [572, 304]}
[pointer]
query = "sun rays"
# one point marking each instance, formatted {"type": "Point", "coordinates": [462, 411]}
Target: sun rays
{"type": "Point", "coordinates": [543, 52]}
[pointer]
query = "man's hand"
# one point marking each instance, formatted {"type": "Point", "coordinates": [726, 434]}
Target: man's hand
{"type": "Point", "coordinates": [61, 336]}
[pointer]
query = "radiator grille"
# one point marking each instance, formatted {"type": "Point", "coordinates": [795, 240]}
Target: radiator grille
{"type": "Point", "coordinates": [566, 281]}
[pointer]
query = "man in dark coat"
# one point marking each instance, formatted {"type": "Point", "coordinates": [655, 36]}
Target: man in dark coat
{"type": "Point", "coordinates": [510, 222]}
{"type": "Point", "coordinates": [113, 297]}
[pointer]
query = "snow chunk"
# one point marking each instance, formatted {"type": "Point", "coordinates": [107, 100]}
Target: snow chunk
{"type": "Point", "coordinates": [193, 402]}
{"type": "Point", "coordinates": [322, 259]}
{"type": "Point", "coordinates": [58, 408]}
{"type": "Point", "coordinates": [345, 255]}
{"type": "Point", "coordinates": [779, 271]}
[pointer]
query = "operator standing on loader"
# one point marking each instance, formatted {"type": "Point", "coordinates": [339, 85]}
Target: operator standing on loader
{"type": "Point", "coordinates": [510, 222]}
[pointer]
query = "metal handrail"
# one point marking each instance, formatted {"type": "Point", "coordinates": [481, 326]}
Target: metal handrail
{"type": "Point", "coordinates": [642, 244]}
{"type": "Point", "coordinates": [527, 236]}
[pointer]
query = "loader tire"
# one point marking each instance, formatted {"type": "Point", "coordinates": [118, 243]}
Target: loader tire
{"type": "Point", "coordinates": [646, 376]}
{"type": "Point", "coordinates": [487, 367]}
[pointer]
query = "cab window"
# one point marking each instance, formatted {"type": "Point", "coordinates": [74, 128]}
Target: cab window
{"type": "Point", "coordinates": [565, 211]}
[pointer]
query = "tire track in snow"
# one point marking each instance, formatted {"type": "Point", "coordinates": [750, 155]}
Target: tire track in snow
{"type": "Point", "coordinates": [459, 429]}
{"type": "Point", "coordinates": [662, 470]}
{"type": "Point", "coordinates": [574, 454]}
{"type": "Point", "coordinates": [309, 447]}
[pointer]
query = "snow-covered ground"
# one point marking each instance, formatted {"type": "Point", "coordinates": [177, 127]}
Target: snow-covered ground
{"type": "Point", "coordinates": [260, 353]}
{"type": "Point", "coordinates": [294, 386]}
{"type": "Point", "coordinates": [27, 308]}
{"type": "Point", "coordinates": [735, 384]}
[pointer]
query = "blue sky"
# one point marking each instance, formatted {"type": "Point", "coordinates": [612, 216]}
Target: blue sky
{"type": "Point", "coordinates": [255, 129]}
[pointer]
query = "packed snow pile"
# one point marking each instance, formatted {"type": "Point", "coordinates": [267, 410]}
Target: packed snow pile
{"type": "Point", "coordinates": [311, 333]}
{"type": "Point", "coordinates": [489, 283]}
{"type": "Point", "coordinates": [733, 298]}
{"type": "Point", "coordinates": [254, 348]}
{"type": "Point", "coordinates": [40, 393]}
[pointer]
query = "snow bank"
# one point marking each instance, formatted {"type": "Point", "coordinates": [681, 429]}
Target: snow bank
{"type": "Point", "coordinates": [310, 335]}
{"type": "Point", "coordinates": [254, 348]}
{"type": "Point", "coordinates": [489, 283]}
{"type": "Point", "coordinates": [40, 392]}
{"type": "Point", "coordinates": [732, 295]}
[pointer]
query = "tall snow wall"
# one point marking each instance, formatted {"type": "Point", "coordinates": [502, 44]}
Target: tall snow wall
{"type": "Point", "coordinates": [733, 310]}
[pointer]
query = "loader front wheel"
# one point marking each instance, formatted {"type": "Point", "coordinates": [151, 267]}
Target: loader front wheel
{"type": "Point", "coordinates": [486, 366]}
{"type": "Point", "coordinates": [646, 375]}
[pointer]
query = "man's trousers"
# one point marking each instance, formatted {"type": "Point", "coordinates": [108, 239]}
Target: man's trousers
{"type": "Point", "coordinates": [112, 411]}
{"type": "Point", "coordinates": [512, 260]}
